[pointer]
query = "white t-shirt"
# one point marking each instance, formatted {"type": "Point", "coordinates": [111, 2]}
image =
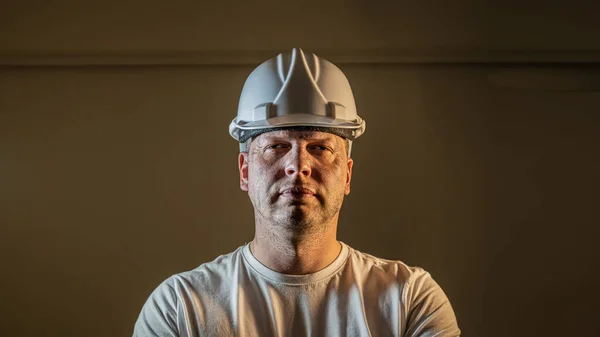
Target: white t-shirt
{"type": "Point", "coordinates": [356, 295]}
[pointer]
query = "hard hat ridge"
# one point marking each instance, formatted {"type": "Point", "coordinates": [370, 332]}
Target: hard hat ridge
{"type": "Point", "coordinates": [299, 93]}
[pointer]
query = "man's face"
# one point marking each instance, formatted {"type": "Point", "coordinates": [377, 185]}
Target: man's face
{"type": "Point", "coordinates": [296, 179]}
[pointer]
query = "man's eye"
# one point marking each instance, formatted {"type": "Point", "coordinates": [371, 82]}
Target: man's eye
{"type": "Point", "coordinates": [276, 146]}
{"type": "Point", "coordinates": [320, 148]}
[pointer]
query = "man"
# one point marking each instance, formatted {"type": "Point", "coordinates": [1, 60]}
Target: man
{"type": "Point", "coordinates": [296, 123]}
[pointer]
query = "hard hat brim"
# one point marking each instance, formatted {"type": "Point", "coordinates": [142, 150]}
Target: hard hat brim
{"type": "Point", "coordinates": [350, 130]}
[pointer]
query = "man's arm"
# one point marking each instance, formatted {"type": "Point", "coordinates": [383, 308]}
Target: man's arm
{"type": "Point", "coordinates": [158, 317]}
{"type": "Point", "coordinates": [429, 311]}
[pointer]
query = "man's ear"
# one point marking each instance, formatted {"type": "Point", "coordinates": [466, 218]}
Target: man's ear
{"type": "Point", "coordinates": [243, 166]}
{"type": "Point", "coordinates": [349, 176]}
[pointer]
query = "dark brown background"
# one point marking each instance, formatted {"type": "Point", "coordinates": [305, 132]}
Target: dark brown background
{"type": "Point", "coordinates": [480, 160]}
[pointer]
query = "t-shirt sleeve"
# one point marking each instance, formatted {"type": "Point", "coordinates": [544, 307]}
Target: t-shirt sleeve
{"type": "Point", "coordinates": [429, 313]}
{"type": "Point", "coordinates": [158, 317]}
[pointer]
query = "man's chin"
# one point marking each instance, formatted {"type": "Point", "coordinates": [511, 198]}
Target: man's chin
{"type": "Point", "coordinates": [295, 216]}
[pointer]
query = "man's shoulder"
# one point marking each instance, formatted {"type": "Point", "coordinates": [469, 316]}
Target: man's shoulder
{"type": "Point", "coordinates": [398, 269]}
{"type": "Point", "coordinates": [428, 309]}
{"type": "Point", "coordinates": [203, 283]}
{"type": "Point", "coordinates": [207, 273]}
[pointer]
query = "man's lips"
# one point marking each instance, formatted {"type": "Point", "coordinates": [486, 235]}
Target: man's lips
{"type": "Point", "coordinates": [298, 192]}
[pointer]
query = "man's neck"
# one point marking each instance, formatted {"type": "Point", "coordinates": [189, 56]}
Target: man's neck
{"type": "Point", "coordinates": [296, 257]}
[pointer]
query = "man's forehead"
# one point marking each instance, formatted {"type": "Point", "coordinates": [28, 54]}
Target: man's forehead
{"type": "Point", "coordinates": [297, 135]}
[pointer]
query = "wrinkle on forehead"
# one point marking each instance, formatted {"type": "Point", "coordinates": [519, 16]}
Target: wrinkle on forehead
{"type": "Point", "coordinates": [297, 135]}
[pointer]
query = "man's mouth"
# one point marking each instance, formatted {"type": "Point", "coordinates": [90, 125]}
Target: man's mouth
{"type": "Point", "coordinates": [298, 193]}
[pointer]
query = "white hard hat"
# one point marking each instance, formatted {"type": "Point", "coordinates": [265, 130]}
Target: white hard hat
{"type": "Point", "coordinates": [296, 90]}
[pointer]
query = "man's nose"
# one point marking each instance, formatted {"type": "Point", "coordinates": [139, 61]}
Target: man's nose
{"type": "Point", "coordinates": [298, 163]}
